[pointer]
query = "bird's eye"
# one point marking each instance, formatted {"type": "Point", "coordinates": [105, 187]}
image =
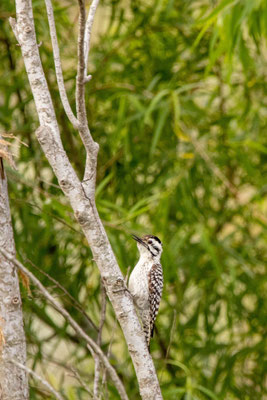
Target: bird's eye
{"type": "Point", "coordinates": [150, 241]}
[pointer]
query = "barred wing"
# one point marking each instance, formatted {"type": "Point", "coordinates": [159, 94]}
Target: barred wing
{"type": "Point", "coordinates": [155, 285]}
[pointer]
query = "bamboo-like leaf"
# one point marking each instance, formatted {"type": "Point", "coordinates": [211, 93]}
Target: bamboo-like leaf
{"type": "Point", "coordinates": [103, 184]}
{"type": "Point", "coordinates": [223, 4]}
{"type": "Point", "coordinates": [153, 104]}
{"type": "Point", "coordinates": [211, 18]}
{"type": "Point", "coordinates": [158, 129]}
{"type": "Point", "coordinates": [206, 391]}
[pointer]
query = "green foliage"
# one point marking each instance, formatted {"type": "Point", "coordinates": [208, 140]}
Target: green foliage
{"type": "Point", "coordinates": [178, 105]}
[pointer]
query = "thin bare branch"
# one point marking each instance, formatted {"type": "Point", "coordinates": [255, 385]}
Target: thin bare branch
{"type": "Point", "coordinates": [170, 343]}
{"type": "Point", "coordinates": [97, 377]}
{"type": "Point", "coordinates": [212, 166]}
{"type": "Point", "coordinates": [72, 371]}
{"type": "Point", "coordinates": [112, 373]}
{"type": "Point", "coordinates": [81, 122]}
{"type": "Point", "coordinates": [39, 378]}
{"type": "Point", "coordinates": [75, 303]}
{"type": "Point", "coordinates": [102, 313]}
{"type": "Point", "coordinates": [104, 378]}
{"type": "Point", "coordinates": [58, 68]}
{"type": "Point", "coordinates": [99, 339]}
{"type": "Point", "coordinates": [81, 381]}
{"type": "Point", "coordinates": [87, 34]}
{"type": "Point", "coordinates": [84, 131]}
{"type": "Point", "coordinates": [80, 100]}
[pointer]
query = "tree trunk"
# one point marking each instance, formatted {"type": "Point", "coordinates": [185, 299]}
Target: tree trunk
{"type": "Point", "coordinates": [13, 380]}
{"type": "Point", "coordinates": [82, 197]}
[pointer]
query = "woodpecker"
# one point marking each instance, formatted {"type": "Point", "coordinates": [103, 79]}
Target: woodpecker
{"type": "Point", "coordinates": [146, 282]}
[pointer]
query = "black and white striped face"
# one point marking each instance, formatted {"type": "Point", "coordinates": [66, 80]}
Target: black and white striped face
{"type": "Point", "coordinates": [149, 243]}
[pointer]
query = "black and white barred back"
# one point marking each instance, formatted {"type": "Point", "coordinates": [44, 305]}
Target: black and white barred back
{"type": "Point", "coordinates": [155, 285]}
{"type": "Point", "coordinates": [146, 282]}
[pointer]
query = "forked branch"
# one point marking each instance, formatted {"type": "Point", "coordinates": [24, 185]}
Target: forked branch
{"type": "Point", "coordinates": [81, 195]}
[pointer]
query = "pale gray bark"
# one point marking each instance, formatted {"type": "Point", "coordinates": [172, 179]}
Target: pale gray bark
{"type": "Point", "coordinates": [13, 380]}
{"type": "Point", "coordinates": [82, 194]}
{"type": "Point", "coordinates": [99, 338]}
{"type": "Point", "coordinates": [87, 35]}
{"type": "Point", "coordinates": [58, 68]}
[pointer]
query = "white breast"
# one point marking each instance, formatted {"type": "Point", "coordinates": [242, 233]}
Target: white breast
{"type": "Point", "coordinates": [138, 282]}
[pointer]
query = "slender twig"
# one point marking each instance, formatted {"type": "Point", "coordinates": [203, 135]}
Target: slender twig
{"type": "Point", "coordinates": [38, 378]}
{"type": "Point", "coordinates": [80, 100]}
{"type": "Point", "coordinates": [81, 381]}
{"type": "Point", "coordinates": [172, 333]}
{"type": "Point", "coordinates": [84, 131]}
{"type": "Point", "coordinates": [170, 342]}
{"type": "Point", "coordinates": [81, 122]}
{"type": "Point", "coordinates": [104, 378]}
{"type": "Point", "coordinates": [70, 370]}
{"type": "Point", "coordinates": [113, 374]}
{"type": "Point", "coordinates": [87, 34]}
{"type": "Point", "coordinates": [97, 372]}
{"type": "Point", "coordinates": [99, 339]}
{"type": "Point", "coordinates": [62, 221]}
{"type": "Point", "coordinates": [58, 68]}
{"type": "Point", "coordinates": [97, 377]}
{"type": "Point", "coordinates": [217, 172]}
{"type": "Point", "coordinates": [75, 303]}
{"type": "Point", "coordinates": [102, 313]}
{"type": "Point", "coordinates": [213, 167]}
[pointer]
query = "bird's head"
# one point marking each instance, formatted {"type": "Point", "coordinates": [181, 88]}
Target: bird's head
{"type": "Point", "coordinates": [149, 245]}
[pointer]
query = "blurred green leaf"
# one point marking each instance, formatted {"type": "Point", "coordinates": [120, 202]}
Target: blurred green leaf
{"type": "Point", "coordinates": [177, 104]}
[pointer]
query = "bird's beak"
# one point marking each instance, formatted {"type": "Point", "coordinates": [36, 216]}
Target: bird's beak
{"type": "Point", "coordinates": [139, 240]}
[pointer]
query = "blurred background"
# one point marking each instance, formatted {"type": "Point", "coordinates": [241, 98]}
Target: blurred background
{"type": "Point", "coordinates": [177, 103]}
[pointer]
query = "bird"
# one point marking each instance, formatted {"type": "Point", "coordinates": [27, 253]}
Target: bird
{"type": "Point", "coordinates": [146, 282]}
